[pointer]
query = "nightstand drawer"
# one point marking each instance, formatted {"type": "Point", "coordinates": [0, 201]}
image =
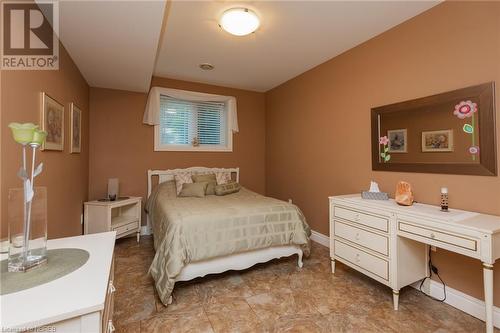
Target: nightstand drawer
{"type": "Point", "coordinates": [438, 236]}
{"type": "Point", "coordinates": [368, 220]}
{"type": "Point", "coordinates": [370, 240]}
{"type": "Point", "coordinates": [358, 258]}
{"type": "Point", "coordinates": [126, 228]}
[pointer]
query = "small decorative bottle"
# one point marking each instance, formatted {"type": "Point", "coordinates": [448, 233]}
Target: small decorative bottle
{"type": "Point", "coordinates": [444, 199]}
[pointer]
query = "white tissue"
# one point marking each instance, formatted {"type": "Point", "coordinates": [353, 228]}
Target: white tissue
{"type": "Point", "coordinates": [374, 187]}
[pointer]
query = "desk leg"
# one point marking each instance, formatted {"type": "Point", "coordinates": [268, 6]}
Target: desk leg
{"type": "Point", "coordinates": [333, 265]}
{"type": "Point", "coordinates": [395, 299]}
{"type": "Point", "coordinates": [488, 295]}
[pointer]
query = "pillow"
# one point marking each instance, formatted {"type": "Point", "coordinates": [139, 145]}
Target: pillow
{"type": "Point", "coordinates": [166, 189]}
{"type": "Point", "coordinates": [193, 190]}
{"type": "Point", "coordinates": [223, 177]}
{"type": "Point", "coordinates": [181, 179]}
{"type": "Point", "coordinates": [227, 188]}
{"type": "Point", "coordinates": [208, 178]}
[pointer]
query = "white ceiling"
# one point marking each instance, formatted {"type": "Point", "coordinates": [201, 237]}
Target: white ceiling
{"type": "Point", "coordinates": [294, 36]}
{"type": "Point", "coordinates": [113, 43]}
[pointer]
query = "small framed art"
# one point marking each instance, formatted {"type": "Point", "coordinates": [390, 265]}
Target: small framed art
{"type": "Point", "coordinates": [437, 141]}
{"type": "Point", "coordinates": [75, 116]}
{"type": "Point", "coordinates": [52, 123]}
{"type": "Point", "coordinates": [398, 140]}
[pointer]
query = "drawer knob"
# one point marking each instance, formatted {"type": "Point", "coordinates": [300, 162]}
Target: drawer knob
{"type": "Point", "coordinates": [356, 217]}
{"type": "Point", "coordinates": [111, 327]}
{"type": "Point", "coordinates": [111, 288]}
{"type": "Point", "coordinates": [432, 235]}
{"type": "Point", "coordinates": [357, 257]}
{"type": "Point", "coordinates": [357, 236]}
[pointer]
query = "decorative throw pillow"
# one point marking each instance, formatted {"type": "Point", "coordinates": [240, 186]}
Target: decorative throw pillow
{"type": "Point", "coordinates": [193, 190]}
{"type": "Point", "coordinates": [223, 177]}
{"type": "Point", "coordinates": [181, 179]}
{"type": "Point", "coordinates": [167, 189]}
{"type": "Point", "coordinates": [228, 188]}
{"type": "Point", "coordinates": [208, 178]}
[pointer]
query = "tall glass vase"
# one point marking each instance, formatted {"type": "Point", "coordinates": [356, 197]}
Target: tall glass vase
{"type": "Point", "coordinates": [27, 230]}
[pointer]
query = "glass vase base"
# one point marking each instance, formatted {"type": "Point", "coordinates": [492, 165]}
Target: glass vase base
{"type": "Point", "coordinates": [18, 264]}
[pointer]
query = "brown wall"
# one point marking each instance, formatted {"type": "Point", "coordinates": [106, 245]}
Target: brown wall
{"type": "Point", "coordinates": [318, 124]}
{"type": "Point", "coordinates": [65, 175]}
{"type": "Point", "coordinates": [122, 146]}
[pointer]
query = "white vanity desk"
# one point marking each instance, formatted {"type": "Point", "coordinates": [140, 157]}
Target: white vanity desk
{"type": "Point", "coordinates": [389, 242]}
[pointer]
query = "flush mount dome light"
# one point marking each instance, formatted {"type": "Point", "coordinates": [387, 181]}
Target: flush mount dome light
{"type": "Point", "coordinates": [239, 21]}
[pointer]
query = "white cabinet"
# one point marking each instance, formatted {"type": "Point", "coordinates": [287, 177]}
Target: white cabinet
{"type": "Point", "coordinates": [80, 302]}
{"type": "Point", "coordinates": [389, 242]}
{"type": "Point", "coordinates": [122, 216]}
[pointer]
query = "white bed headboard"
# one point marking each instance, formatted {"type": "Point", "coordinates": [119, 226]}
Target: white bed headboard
{"type": "Point", "coordinates": [164, 175]}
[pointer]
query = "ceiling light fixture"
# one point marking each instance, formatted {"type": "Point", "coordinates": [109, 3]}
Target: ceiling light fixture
{"type": "Point", "coordinates": [239, 21]}
{"type": "Point", "coordinates": [206, 67]}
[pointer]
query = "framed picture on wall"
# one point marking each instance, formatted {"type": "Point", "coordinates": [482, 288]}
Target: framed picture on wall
{"type": "Point", "coordinates": [437, 141]}
{"type": "Point", "coordinates": [75, 116]}
{"type": "Point", "coordinates": [398, 140]}
{"type": "Point", "coordinates": [52, 123]}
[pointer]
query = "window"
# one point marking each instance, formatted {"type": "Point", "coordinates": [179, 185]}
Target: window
{"type": "Point", "coordinates": [192, 126]}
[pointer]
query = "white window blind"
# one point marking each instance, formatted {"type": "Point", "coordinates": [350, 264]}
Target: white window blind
{"type": "Point", "coordinates": [184, 122]}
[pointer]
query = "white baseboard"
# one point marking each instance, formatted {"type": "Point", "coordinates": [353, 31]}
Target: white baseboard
{"type": "Point", "coordinates": [320, 238]}
{"type": "Point", "coordinates": [459, 300]}
{"type": "Point", "coordinates": [145, 230]}
{"type": "Point", "coordinates": [455, 298]}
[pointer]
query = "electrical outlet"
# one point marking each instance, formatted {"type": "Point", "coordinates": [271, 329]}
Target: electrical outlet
{"type": "Point", "coordinates": [433, 249]}
{"type": "Point", "coordinates": [290, 200]}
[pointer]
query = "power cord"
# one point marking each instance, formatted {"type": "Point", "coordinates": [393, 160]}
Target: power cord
{"type": "Point", "coordinates": [433, 269]}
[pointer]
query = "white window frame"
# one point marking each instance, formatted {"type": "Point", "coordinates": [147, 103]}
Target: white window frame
{"type": "Point", "coordinates": [228, 147]}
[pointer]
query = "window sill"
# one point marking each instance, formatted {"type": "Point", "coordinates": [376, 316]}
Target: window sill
{"type": "Point", "coordinates": [195, 149]}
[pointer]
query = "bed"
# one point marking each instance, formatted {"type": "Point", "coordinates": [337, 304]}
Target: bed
{"type": "Point", "coordinates": [194, 237]}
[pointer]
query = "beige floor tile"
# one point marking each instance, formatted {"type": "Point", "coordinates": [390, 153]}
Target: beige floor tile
{"type": "Point", "coordinates": [230, 284]}
{"type": "Point", "coordinates": [125, 278]}
{"type": "Point", "coordinates": [186, 299]}
{"type": "Point", "coordinates": [196, 321]}
{"type": "Point", "coordinates": [134, 327]}
{"type": "Point", "coordinates": [232, 314]}
{"type": "Point", "coordinates": [272, 305]}
{"type": "Point", "coordinates": [134, 304]}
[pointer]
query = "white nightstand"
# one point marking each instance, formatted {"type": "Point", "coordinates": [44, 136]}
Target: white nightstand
{"type": "Point", "coordinates": [122, 216]}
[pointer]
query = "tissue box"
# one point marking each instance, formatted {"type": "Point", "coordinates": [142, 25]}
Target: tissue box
{"type": "Point", "coordinates": [374, 195]}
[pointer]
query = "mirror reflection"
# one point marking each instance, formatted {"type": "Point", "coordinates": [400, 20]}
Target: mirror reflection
{"type": "Point", "coordinates": [446, 132]}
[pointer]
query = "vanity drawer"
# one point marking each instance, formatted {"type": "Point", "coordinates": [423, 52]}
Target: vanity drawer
{"type": "Point", "coordinates": [370, 240]}
{"type": "Point", "coordinates": [439, 236]}
{"type": "Point", "coordinates": [362, 259]}
{"type": "Point", "coordinates": [368, 220]}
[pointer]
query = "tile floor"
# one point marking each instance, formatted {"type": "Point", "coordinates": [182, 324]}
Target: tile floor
{"type": "Point", "coordinates": [273, 297]}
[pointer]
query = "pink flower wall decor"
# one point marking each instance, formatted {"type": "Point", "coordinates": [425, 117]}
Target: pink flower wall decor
{"type": "Point", "coordinates": [384, 141]}
{"type": "Point", "coordinates": [465, 109]}
{"type": "Point", "coordinates": [474, 150]}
